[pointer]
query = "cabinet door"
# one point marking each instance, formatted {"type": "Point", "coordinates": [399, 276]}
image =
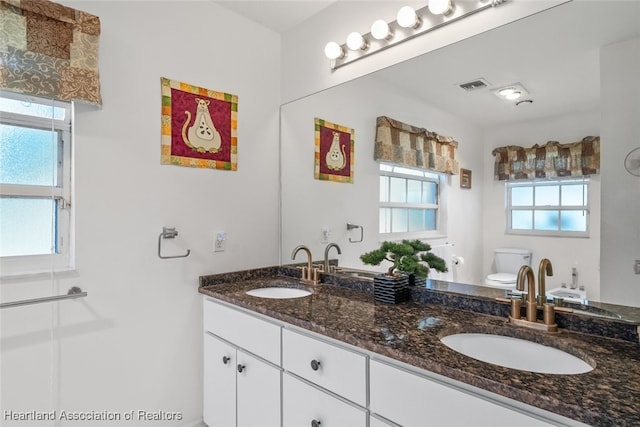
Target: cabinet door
{"type": "Point", "coordinates": [411, 400]}
{"type": "Point", "coordinates": [303, 404]}
{"type": "Point", "coordinates": [219, 406]}
{"type": "Point", "coordinates": [258, 392]}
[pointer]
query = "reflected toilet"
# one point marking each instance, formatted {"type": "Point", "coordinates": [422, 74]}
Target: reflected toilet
{"type": "Point", "coordinates": [507, 262]}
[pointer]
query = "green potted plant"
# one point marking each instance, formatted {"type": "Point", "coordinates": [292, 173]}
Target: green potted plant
{"type": "Point", "coordinates": [408, 258]}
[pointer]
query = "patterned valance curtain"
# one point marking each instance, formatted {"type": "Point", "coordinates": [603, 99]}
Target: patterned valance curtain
{"type": "Point", "coordinates": [411, 146]}
{"type": "Point", "coordinates": [50, 50]}
{"type": "Point", "coordinates": [548, 161]}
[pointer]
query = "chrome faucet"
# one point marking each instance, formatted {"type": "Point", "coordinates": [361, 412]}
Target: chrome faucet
{"type": "Point", "coordinates": [309, 273]}
{"type": "Point", "coordinates": [532, 306]}
{"type": "Point", "coordinates": [545, 269]}
{"type": "Point", "coordinates": [326, 255]}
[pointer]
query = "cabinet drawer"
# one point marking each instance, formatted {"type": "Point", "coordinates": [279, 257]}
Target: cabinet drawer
{"type": "Point", "coordinates": [411, 400]}
{"type": "Point", "coordinates": [243, 330]}
{"type": "Point", "coordinates": [303, 403]}
{"type": "Point", "coordinates": [337, 369]}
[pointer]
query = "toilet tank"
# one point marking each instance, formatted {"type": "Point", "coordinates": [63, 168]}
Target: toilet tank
{"type": "Point", "coordinates": [509, 260]}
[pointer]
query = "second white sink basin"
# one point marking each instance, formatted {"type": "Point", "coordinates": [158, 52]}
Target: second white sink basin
{"type": "Point", "coordinates": [516, 353]}
{"type": "Point", "coordinates": [278, 292]}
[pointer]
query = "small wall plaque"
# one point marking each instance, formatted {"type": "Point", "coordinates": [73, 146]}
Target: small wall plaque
{"type": "Point", "coordinates": [465, 178]}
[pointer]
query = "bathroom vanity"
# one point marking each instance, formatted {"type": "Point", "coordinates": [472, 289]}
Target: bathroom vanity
{"type": "Point", "coordinates": [336, 357]}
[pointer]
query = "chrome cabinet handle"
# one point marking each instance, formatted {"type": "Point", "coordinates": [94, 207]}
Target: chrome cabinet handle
{"type": "Point", "coordinates": [225, 359]}
{"type": "Point", "coordinates": [241, 368]}
{"type": "Point", "coordinates": [315, 365]}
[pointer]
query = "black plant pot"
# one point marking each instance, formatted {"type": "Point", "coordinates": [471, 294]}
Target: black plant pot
{"type": "Point", "coordinates": [391, 289]}
{"type": "Point", "coordinates": [417, 281]}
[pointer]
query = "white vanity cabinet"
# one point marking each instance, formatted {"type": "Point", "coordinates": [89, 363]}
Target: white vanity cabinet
{"type": "Point", "coordinates": [409, 399]}
{"type": "Point", "coordinates": [260, 372]}
{"type": "Point", "coordinates": [242, 384]}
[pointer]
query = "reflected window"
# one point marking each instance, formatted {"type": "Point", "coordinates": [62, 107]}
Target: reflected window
{"type": "Point", "coordinates": [409, 202]}
{"type": "Point", "coordinates": [557, 208]}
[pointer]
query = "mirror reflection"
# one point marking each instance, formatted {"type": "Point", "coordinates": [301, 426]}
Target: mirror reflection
{"type": "Point", "coordinates": [556, 56]}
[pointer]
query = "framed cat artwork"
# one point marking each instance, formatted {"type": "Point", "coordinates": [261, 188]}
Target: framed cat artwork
{"type": "Point", "coordinates": [199, 127]}
{"type": "Point", "coordinates": [334, 147]}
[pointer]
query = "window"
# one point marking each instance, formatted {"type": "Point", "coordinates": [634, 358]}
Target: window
{"type": "Point", "coordinates": [35, 184]}
{"type": "Point", "coordinates": [409, 202]}
{"type": "Point", "coordinates": [553, 208]}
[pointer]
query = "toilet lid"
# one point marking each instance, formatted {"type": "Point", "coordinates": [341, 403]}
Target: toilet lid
{"type": "Point", "coordinates": [503, 277]}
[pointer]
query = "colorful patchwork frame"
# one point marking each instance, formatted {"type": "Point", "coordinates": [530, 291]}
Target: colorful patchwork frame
{"type": "Point", "coordinates": [334, 147]}
{"type": "Point", "coordinates": [199, 127]}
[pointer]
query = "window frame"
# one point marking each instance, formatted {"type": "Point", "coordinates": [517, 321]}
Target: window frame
{"type": "Point", "coordinates": [560, 182]}
{"type": "Point", "coordinates": [439, 206]}
{"type": "Point", "coordinates": [63, 257]}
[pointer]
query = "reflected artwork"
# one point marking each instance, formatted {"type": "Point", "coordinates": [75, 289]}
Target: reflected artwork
{"type": "Point", "coordinates": [333, 151]}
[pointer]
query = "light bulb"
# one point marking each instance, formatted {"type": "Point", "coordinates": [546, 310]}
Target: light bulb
{"type": "Point", "coordinates": [514, 95]}
{"type": "Point", "coordinates": [380, 30]}
{"type": "Point", "coordinates": [355, 41]}
{"type": "Point", "coordinates": [507, 91]}
{"type": "Point", "coordinates": [407, 17]}
{"type": "Point", "coordinates": [440, 7]}
{"type": "Point", "coordinates": [333, 50]}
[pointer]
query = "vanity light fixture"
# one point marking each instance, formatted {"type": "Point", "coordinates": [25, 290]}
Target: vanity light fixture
{"type": "Point", "coordinates": [333, 51]}
{"type": "Point", "coordinates": [380, 30]}
{"type": "Point", "coordinates": [407, 17]}
{"type": "Point", "coordinates": [355, 41]}
{"type": "Point", "coordinates": [410, 23]}
{"type": "Point", "coordinates": [440, 7]}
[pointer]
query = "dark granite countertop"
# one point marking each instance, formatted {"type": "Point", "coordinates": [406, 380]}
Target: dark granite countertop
{"type": "Point", "coordinates": [410, 332]}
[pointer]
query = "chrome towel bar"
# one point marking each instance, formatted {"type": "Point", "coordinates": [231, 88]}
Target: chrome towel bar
{"type": "Point", "coordinates": [74, 292]}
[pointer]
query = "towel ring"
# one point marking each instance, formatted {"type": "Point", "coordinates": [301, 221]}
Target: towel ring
{"type": "Point", "coordinates": [354, 226]}
{"type": "Point", "coordinates": [169, 233]}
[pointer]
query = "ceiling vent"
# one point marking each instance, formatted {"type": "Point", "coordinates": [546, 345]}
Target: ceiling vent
{"type": "Point", "coordinates": [474, 85]}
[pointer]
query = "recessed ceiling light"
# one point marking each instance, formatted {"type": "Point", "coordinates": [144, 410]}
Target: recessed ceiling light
{"type": "Point", "coordinates": [513, 95]}
{"type": "Point", "coordinates": [507, 91]}
{"type": "Point", "coordinates": [511, 92]}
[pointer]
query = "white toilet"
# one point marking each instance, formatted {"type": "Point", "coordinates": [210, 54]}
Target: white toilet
{"type": "Point", "coordinates": [507, 262]}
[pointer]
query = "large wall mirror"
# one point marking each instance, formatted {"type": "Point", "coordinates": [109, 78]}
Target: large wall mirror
{"type": "Point", "coordinates": [556, 54]}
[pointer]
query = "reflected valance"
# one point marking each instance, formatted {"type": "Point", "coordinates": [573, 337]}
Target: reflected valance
{"type": "Point", "coordinates": [411, 146]}
{"type": "Point", "coordinates": [49, 50]}
{"type": "Point", "coordinates": [550, 160]}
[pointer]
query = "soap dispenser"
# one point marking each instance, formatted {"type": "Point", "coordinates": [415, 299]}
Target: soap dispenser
{"type": "Point", "coordinates": [574, 278]}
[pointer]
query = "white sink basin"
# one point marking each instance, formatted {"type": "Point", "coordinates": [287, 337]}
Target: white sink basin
{"type": "Point", "coordinates": [516, 353]}
{"type": "Point", "coordinates": [278, 293]}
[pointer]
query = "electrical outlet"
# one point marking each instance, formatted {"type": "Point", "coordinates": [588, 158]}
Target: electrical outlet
{"type": "Point", "coordinates": [636, 266]}
{"type": "Point", "coordinates": [220, 241]}
{"type": "Point", "coordinates": [325, 233]}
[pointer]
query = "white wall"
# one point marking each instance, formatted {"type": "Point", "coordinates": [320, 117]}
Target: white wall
{"type": "Point", "coordinates": [135, 343]}
{"type": "Point", "coordinates": [310, 204]}
{"type": "Point", "coordinates": [619, 70]}
{"type": "Point", "coordinates": [564, 253]}
{"type": "Point", "coordinates": [303, 46]}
